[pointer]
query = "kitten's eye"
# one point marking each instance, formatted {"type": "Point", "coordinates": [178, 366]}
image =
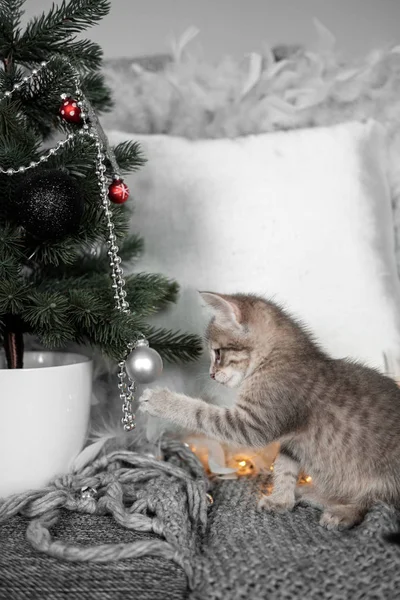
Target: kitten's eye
{"type": "Point", "coordinates": [217, 356]}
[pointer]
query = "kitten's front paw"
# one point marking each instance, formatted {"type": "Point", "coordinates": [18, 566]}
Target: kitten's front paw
{"type": "Point", "coordinates": [278, 503]}
{"type": "Point", "coordinates": [156, 402]}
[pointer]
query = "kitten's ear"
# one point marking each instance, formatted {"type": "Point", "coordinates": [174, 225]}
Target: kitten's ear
{"type": "Point", "coordinates": [226, 310]}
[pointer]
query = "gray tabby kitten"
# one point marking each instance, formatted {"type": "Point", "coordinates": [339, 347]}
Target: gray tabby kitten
{"type": "Point", "coordinates": [336, 420]}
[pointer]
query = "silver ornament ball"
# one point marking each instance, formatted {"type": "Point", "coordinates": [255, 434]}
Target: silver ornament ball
{"type": "Point", "coordinates": [144, 364]}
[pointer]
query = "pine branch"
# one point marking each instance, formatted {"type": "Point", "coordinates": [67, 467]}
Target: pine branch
{"type": "Point", "coordinates": [77, 290]}
{"type": "Point", "coordinates": [129, 156]}
{"type": "Point", "coordinates": [131, 248]}
{"type": "Point", "coordinates": [13, 296]}
{"type": "Point", "coordinates": [88, 316]}
{"type": "Point", "coordinates": [40, 99]}
{"type": "Point", "coordinates": [47, 314]}
{"type": "Point", "coordinates": [175, 346]}
{"type": "Point", "coordinates": [82, 54]}
{"type": "Point", "coordinates": [11, 243]}
{"type": "Point", "coordinates": [9, 75]}
{"type": "Point", "coordinates": [66, 19]}
{"type": "Point", "coordinates": [87, 308]}
{"type": "Point", "coordinates": [14, 128]}
{"type": "Point", "coordinates": [93, 260]}
{"type": "Point", "coordinates": [46, 310]}
{"type": "Point", "coordinates": [10, 20]}
{"type": "Point", "coordinates": [16, 152]}
{"type": "Point", "coordinates": [51, 253]}
{"type": "Point", "coordinates": [95, 88]}
{"type": "Point", "coordinates": [9, 269]}
{"type": "Point", "coordinates": [78, 159]}
{"type": "Point", "coordinates": [58, 337]}
{"type": "Point", "coordinates": [54, 33]}
{"type": "Point", "coordinates": [148, 293]}
{"type": "Point", "coordinates": [113, 334]}
{"type": "Point", "coordinates": [11, 254]}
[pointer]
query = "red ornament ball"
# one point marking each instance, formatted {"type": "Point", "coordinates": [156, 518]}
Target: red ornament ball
{"type": "Point", "coordinates": [118, 191]}
{"type": "Point", "coordinates": [70, 111]}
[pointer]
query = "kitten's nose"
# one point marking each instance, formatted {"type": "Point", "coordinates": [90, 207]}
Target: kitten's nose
{"type": "Point", "coordinates": [212, 375]}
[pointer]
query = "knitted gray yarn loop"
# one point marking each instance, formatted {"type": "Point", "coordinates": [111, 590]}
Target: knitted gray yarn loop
{"type": "Point", "coordinates": [164, 497]}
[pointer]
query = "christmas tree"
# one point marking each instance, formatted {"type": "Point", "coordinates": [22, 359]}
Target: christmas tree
{"type": "Point", "coordinates": [57, 238]}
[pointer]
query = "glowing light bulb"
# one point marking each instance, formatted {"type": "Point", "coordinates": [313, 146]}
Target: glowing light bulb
{"type": "Point", "coordinates": [305, 479]}
{"type": "Point", "coordinates": [244, 466]}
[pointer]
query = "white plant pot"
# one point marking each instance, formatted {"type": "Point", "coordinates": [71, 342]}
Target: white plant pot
{"type": "Point", "coordinates": [44, 417]}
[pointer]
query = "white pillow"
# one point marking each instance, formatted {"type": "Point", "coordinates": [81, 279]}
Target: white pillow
{"type": "Point", "coordinates": [302, 216]}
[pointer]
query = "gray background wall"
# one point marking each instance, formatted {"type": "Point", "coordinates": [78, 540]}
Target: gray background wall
{"type": "Point", "coordinates": [137, 27]}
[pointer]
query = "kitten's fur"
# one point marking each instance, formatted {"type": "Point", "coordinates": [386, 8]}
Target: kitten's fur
{"type": "Point", "coordinates": [336, 420]}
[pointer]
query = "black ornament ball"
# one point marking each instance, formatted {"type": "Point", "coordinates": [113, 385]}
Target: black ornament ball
{"type": "Point", "coordinates": [49, 205]}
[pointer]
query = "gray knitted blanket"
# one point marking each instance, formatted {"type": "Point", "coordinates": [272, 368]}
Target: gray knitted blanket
{"type": "Point", "coordinates": [146, 536]}
{"type": "Point", "coordinates": [262, 556]}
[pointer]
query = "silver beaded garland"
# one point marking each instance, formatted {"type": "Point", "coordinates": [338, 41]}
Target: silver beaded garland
{"type": "Point", "coordinates": [150, 368]}
{"type": "Point", "coordinates": [42, 159]}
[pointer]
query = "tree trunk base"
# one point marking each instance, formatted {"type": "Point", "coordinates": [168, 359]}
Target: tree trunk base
{"type": "Point", "coordinates": [13, 341]}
